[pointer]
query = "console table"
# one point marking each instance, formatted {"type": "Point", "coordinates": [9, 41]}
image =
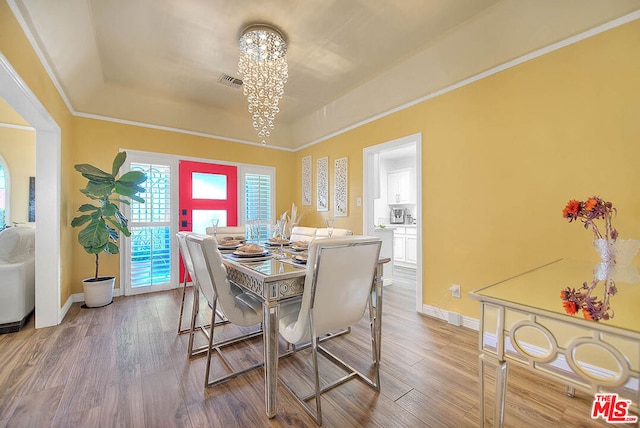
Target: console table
{"type": "Point", "coordinates": [523, 321]}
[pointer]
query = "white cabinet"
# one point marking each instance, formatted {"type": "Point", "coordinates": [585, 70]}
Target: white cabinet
{"type": "Point", "coordinates": [400, 187]}
{"type": "Point", "coordinates": [398, 247]}
{"type": "Point", "coordinates": [405, 246]}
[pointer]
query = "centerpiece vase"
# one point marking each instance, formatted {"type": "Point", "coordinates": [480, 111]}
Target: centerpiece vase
{"type": "Point", "coordinates": [619, 252]}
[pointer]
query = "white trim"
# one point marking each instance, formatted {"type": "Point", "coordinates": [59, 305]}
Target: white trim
{"type": "Point", "coordinates": [368, 191]}
{"type": "Point", "coordinates": [20, 127]}
{"type": "Point", "coordinates": [48, 199]}
{"type": "Point", "coordinates": [180, 131]}
{"type": "Point", "coordinates": [467, 322]}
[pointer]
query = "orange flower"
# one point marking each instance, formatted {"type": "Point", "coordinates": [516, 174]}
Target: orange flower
{"type": "Point", "coordinates": [571, 209]}
{"type": "Point", "coordinates": [587, 314]}
{"type": "Point", "coordinates": [590, 204]}
{"type": "Point", "coordinates": [570, 307]}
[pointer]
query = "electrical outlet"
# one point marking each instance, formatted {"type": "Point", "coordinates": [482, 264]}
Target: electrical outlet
{"type": "Point", "coordinates": [455, 290]}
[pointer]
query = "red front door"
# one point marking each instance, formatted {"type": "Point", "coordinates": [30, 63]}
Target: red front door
{"type": "Point", "coordinates": [207, 192]}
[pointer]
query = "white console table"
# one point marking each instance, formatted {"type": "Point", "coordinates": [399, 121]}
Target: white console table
{"type": "Point", "coordinates": [523, 321]}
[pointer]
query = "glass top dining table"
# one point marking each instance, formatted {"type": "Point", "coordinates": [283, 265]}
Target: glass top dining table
{"type": "Point", "coordinates": [275, 280]}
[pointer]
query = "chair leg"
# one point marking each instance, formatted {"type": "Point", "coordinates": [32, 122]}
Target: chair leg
{"type": "Point", "coordinates": [194, 316]}
{"type": "Point", "coordinates": [184, 291]}
{"type": "Point", "coordinates": [314, 350]}
{"type": "Point", "coordinates": [210, 343]}
{"type": "Point", "coordinates": [351, 371]}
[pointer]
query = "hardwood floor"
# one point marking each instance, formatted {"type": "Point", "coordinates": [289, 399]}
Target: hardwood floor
{"type": "Point", "coordinates": [124, 366]}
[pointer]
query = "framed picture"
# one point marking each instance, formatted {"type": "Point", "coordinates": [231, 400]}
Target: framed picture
{"type": "Point", "coordinates": [306, 180]}
{"type": "Point", "coordinates": [322, 180]}
{"type": "Point", "coordinates": [341, 188]}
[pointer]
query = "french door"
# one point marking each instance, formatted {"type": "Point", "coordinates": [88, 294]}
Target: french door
{"type": "Point", "coordinates": [148, 256]}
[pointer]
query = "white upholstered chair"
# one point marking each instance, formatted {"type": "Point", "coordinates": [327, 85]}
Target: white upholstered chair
{"type": "Point", "coordinates": [188, 269]}
{"type": "Point", "coordinates": [240, 308]}
{"type": "Point", "coordinates": [337, 293]}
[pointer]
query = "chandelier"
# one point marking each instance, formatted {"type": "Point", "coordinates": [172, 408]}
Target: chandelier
{"type": "Point", "coordinates": [264, 70]}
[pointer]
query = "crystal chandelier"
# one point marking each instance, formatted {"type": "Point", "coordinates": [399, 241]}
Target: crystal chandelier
{"type": "Point", "coordinates": [264, 70]}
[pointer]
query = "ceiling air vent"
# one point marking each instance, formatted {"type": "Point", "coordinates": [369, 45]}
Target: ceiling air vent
{"type": "Point", "coordinates": [231, 81]}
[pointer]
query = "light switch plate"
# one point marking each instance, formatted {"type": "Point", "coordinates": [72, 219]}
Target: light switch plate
{"type": "Point", "coordinates": [358, 202]}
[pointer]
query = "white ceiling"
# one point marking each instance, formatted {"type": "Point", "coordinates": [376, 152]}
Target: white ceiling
{"type": "Point", "coordinates": [157, 61]}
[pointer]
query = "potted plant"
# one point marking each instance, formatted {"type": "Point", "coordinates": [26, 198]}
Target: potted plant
{"type": "Point", "coordinates": [103, 221]}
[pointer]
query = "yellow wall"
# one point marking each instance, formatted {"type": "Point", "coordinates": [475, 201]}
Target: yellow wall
{"type": "Point", "coordinates": [18, 149]}
{"type": "Point", "coordinates": [501, 157]}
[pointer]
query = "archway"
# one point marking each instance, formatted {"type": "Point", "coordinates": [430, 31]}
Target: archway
{"type": "Point", "coordinates": [18, 95]}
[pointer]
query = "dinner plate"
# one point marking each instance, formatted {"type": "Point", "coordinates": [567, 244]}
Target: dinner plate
{"type": "Point", "coordinates": [299, 259]}
{"type": "Point", "coordinates": [297, 248]}
{"type": "Point", "coordinates": [244, 254]}
{"type": "Point", "coordinates": [223, 246]}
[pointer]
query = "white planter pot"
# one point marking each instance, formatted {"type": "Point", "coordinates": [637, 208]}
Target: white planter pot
{"type": "Point", "coordinates": [98, 292]}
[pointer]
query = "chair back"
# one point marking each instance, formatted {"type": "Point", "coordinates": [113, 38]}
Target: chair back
{"type": "Point", "coordinates": [340, 274]}
{"type": "Point", "coordinates": [211, 275]}
{"type": "Point", "coordinates": [324, 233]}
{"type": "Point", "coordinates": [301, 233]}
{"type": "Point", "coordinates": [184, 252]}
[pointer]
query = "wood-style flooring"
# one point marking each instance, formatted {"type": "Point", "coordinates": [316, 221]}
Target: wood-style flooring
{"type": "Point", "coordinates": [124, 366]}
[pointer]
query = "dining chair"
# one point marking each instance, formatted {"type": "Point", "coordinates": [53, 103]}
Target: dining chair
{"type": "Point", "coordinates": [337, 292]}
{"type": "Point", "coordinates": [188, 267]}
{"type": "Point", "coordinates": [240, 307]}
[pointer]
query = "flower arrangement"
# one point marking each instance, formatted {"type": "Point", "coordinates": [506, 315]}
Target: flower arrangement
{"type": "Point", "coordinates": [588, 212]}
{"type": "Point", "coordinates": [573, 301]}
{"type": "Point", "coordinates": [591, 307]}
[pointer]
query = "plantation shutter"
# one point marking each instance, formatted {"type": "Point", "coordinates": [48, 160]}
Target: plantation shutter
{"type": "Point", "coordinates": [150, 226]}
{"type": "Point", "coordinates": [258, 202]}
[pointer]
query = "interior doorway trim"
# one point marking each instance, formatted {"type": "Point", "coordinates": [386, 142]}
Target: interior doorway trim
{"type": "Point", "coordinates": [18, 95]}
{"type": "Point", "coordinates": [370, 170]}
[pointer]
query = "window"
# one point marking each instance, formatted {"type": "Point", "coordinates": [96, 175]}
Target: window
{"type": "Point", "coordinates": [258, 203]}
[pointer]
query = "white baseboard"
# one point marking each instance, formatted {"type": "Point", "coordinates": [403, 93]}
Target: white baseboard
{"type": "Point", "coordinates": [77, 298]}
{"type": "Point", "coordinates": [467, 322]}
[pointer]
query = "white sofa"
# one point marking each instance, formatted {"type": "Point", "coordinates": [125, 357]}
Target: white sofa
{"type": "Point", "coordinates": [227, 231]}
{"type": "Point", "coordinates": [17, 277]}
{"type": "Point", "coordinates": [307, 234]}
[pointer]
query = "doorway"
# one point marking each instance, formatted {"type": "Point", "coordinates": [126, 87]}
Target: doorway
{"type": "Point", "coordinates": [18, 95]}
{"type": "Point", "coordinates": [406, 152]}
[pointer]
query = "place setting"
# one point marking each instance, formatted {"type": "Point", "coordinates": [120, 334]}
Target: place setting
{"type": "Point", "coordinates": [251, 252]}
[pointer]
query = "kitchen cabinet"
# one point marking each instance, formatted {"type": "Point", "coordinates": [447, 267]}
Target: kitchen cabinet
{"type": "Point", "coordinates": [405, 246]}
{"type": "Point", "coordinates": [401, 187]}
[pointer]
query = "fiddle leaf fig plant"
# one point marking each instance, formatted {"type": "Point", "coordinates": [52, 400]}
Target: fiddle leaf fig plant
{"type": "Point", "coordinates": [102, 220]}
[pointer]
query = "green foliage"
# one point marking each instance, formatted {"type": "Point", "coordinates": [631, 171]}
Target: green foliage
{"type": "Point", "coordinates": [103, 221]}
